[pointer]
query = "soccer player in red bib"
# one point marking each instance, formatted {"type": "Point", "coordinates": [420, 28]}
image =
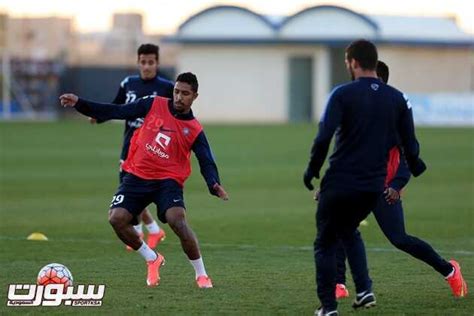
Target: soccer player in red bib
{"type": "Point", "coordinates": [157, 165]}
{"type": "Point", "coordinates": [146, 83]}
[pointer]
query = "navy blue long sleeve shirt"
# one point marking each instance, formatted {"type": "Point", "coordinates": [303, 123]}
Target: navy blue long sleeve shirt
{"type": "Point", "coordinates": [402, 176]}
{"type": "Point", "coordinates": [139, 108]}
{"type": "Point", "coordinates": [368, 118]}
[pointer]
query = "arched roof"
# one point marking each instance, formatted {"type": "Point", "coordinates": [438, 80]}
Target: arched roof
{"type": "Point", "coordinates": [318, 24]}
{"type": "Point", "coordinates": [227, 22]}
{"type": "Point", "coordinates": [328, 22]}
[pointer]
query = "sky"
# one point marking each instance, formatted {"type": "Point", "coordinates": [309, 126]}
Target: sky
{"type": "Point", "coordinates": [165, 16]}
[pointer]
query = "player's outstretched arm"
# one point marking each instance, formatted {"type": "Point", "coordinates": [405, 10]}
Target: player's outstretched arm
{"type": "Point", "coordinates": [107, 111]}
{"type": "Point", "coordinates": [120, 98]}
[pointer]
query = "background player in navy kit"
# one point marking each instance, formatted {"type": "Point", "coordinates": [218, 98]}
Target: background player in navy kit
{"type": "Point", "coordinates": [367, 118]}
{"type": "Point", "coordinates": [389, 216]}
{"type": "Point", "coordinates": [157, 166]}
{"type": "Point", "coordinates": [132, 88]}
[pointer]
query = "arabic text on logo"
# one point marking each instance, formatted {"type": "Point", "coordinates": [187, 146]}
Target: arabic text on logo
{"type": "Point", "coordinates": [55, 295]}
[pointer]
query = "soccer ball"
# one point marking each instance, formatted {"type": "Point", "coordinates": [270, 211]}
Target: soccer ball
{"type": "Point", "coordinates": [54, 273]}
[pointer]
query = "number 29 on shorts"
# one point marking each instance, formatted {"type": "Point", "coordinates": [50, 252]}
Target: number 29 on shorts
{"type": "Point", "coordinates": [117, 199]}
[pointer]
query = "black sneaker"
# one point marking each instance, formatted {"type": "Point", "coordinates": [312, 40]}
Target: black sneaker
{"type": "Point", "coordinates": [365, 299]}
{"type": "Point", "coordinates": [321, 312]}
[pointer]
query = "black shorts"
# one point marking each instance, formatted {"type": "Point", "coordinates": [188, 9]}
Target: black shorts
{"type": "Point", "coordinates": [122, 173]}
{"type": "Point", "coordinates": [135, 194]}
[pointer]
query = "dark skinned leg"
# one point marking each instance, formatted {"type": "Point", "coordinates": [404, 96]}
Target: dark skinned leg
{"type": "Point", "coordinates": [120, 220]}
{"type": "Point", "coordinates": [176, 218]}
{"type": "Point", "coordinates": [146, 217]}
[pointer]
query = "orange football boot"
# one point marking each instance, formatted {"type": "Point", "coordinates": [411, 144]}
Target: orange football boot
{"type": "Point", "coordinates": [155, 239]}
{"type": "Point", "coordinates": [341, 291]}
{"type": "Point", "coordinates": [456, 281]}
{"type": "Point", "coordinates": [153, 275]}
{"type": "Point", "coordinates": [204, 282]}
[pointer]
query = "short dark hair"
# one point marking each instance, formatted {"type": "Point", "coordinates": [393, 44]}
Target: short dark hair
{"type": "Point", "coordinates": [148, 49]}
{"type": "Point", "coordinates": [364, 52]}
{"type": "Point", "coordinates": [189, 78]}
{"type": "Point", "coordinates": [382, 71]}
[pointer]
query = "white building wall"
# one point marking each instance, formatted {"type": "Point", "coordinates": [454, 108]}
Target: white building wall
{"type": "Point", "coordinates": [429, 70]}
{"type": "Point", "coordinates": [321, 82]}
{"type": "Point", "coordinates": [238, 83]}
{"type": "Point", "coordinates": [251, 83]}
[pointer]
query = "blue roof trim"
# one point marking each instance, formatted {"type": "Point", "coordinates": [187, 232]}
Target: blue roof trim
{"type": "Point", "coordinates": [246, 41]}
{"type": "Point", "coordinates": [220, 7]}
{"type": "Point", "coordinates": [329, 42]}
{"type": "Point", "coordinates": [443, 43]}
{"type": "Point", "coordinates": [365, 18]}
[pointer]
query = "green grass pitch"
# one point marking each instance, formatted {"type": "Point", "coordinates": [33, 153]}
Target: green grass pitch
{"type": "Point", "coordinates": [58, 179]}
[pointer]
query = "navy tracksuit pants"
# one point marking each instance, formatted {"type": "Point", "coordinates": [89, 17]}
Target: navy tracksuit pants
{"type": "Point", "coordinates": [337, 218]}
{"type": "Point", "coordinates": [391, 221]}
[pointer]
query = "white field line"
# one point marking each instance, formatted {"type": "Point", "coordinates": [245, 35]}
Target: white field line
{"type": "Point", "coordinates": [235, 246]}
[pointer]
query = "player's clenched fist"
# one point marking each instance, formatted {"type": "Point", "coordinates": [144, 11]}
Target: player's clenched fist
{"type": "Point", "coordinates": [68, 99]}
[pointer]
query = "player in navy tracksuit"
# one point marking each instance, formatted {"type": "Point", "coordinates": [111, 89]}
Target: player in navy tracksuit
{"type": "Point", "coordinates": [147, 83]}
{"type": "Point", "coordinates": [389, 216]}
{"type": "Point", "coordinates": [367, 117]}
